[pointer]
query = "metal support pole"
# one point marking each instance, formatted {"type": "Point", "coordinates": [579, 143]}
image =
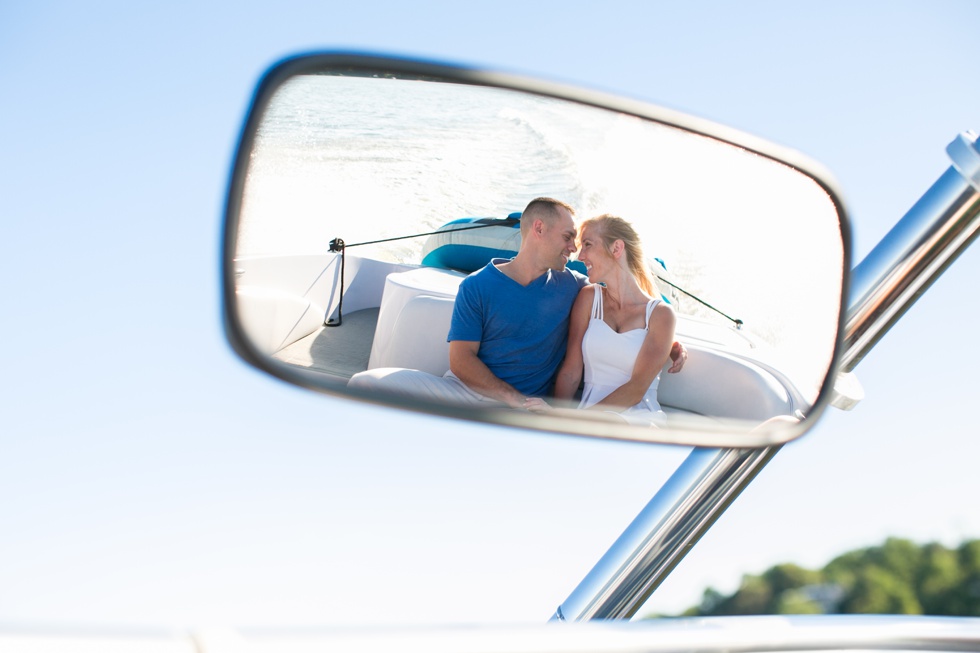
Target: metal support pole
{"type": "Point", "coordinates": [935, 231]}
{"type": "Point", "coordinates": [940, 226]}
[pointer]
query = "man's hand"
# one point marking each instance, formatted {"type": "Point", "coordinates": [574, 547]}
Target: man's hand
{"type": "Point", "coordinates": [465, 363]}
{"type": "Point", "coordinates": [535, 404]}
{"type": "Point", "coordinates": [678, 354]}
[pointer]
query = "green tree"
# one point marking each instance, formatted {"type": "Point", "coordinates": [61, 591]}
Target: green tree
{"type": "Point", "coordinates": [753, 597]}
{"type": "Point", "coordinates": [964, 598]}
{"type": "Point", "coordinates": [798, 601]}
{"type": "Point", "coordinates": [897, 577]}
{"type": "Point", "coordinates": [789, 577]}
{"type": "Point", "coordinates": [880, 591]}
{"type": "Point", "coordinates": [774, 592]}
{"type": "Point", "coordinates": [938, 579]}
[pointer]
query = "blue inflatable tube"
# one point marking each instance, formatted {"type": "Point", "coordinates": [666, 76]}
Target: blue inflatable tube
{"type": "Point", "coordinates": [468, 244]}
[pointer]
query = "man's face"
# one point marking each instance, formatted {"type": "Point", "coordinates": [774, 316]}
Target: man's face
{"type": "Point", "coordinates": [560, 239]}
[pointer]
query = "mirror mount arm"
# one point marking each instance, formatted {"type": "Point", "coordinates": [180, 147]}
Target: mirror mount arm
{"type": "Point", "coordinates": [931, 236]}
{"type": "Point", "coordinates": [695, 495]}
{"type": "Point", "coordinates": [917, 250]}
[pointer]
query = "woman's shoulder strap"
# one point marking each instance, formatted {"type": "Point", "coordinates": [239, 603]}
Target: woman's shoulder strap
{"type": "Point", "coordinates": [597, 302]}
{"type": "Point", "coordinates": [652, 304]}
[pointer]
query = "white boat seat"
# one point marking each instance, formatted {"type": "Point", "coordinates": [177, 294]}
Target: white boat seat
{"type": "Point", "coordinates": [717, 384]}
{"type": "Point", "coordinates": [415, 339]}
{"type": "Point", "coordinates": [414, 321]}
{"type": "Point", "coordinates": [418, 337]}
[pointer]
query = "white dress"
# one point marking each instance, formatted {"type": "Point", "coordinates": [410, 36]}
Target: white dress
{"type": "Point", "coordinates": [609, 357]}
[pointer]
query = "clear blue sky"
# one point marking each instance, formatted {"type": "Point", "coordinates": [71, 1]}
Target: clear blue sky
{"type": "Point", "coordinates": [149, 478]}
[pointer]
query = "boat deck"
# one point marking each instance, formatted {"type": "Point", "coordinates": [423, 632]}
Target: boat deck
{"type": "Point", "coordinates": [339, 351]}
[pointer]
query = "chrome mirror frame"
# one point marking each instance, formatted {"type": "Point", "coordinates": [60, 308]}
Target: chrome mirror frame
{"type": "Point", "coordinates": [358, 63]}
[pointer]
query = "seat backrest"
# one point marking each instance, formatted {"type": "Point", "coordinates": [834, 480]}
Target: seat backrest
{"type": "Point", "coordinates": [713, 383]}
{"type": "Point", "coordinates": [716, 384]}
{"type": "Point", "coordinates": [418, 339]}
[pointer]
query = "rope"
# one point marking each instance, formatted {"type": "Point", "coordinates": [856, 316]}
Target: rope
{"type": "Point", "coordinates": [738, 323]}
{"type": "Point", "coordinates": [503, 222]}
{"type": "Point", "coordinates": [338, 245]}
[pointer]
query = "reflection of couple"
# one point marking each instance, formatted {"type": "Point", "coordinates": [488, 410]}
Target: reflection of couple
{"type": "Point", "coordinates": [515, 321]}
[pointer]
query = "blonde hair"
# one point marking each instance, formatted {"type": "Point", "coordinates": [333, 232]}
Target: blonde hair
{"type": "Point", "coordinates": [612, 228]}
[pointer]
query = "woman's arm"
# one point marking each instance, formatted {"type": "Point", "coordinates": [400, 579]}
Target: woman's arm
{"type": "Point", "coordinates": [653, 355]}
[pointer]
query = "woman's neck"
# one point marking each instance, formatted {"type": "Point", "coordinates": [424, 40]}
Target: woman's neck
{"type": "Point", "coordinates": [623, 289]}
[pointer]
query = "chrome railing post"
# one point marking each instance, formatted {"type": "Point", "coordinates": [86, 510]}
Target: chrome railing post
{"type": "Point", "coordinates": [935, 231]}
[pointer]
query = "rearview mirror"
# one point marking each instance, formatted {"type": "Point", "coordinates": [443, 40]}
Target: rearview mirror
{"type": "Point", "coordinates": [343, 246]}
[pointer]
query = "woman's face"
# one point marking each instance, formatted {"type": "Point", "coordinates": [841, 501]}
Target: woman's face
{"type": "Point", "coordinates": [592, 252]}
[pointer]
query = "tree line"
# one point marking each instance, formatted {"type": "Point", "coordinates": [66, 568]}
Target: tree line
{"type": "Point", "coordinates": [897, 577]}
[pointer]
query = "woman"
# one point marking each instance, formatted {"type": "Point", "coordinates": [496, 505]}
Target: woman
{"type": "Point", "coordinates": [619, 336]}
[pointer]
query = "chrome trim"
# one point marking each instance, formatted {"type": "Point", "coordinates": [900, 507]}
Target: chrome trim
{"type": "Point", "coordinates": [705, 635]}
{"type": "Point", "coordinates": [966, 158]}
{"type": "Point", "coordinates": [671, 523]}
{"type": "Point", "coordinates": [916, 251]}
{"type": "Point", "coordinates": [772, 634]}
{"type": "Point", "coordinates": [318, 62]}
{"type": "Point", "coordinates": [885, 284]}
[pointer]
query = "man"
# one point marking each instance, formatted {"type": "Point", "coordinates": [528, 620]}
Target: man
{"type": "Point", "coordinates": [509, 328]}
{"type": "Point", "coordinates": [510, 321]}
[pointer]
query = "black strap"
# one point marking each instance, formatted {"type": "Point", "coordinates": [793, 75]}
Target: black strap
{"type": "Point", "coordinates": [738, 323]}
{"type": "Point", "coordinates": [338, 245]}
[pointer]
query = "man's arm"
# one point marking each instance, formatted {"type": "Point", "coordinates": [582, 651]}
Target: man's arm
{"type": "Point", "coordinates": [678, 356]}
{"type": "Point", "coordinates": [468, 368]}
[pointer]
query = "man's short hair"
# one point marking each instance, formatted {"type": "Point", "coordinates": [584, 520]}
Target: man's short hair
{"type": "Point", "coordinates": [544, 208]}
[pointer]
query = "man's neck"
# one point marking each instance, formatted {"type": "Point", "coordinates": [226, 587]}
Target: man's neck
{"type": "Point", "coordinates": [521, 270]}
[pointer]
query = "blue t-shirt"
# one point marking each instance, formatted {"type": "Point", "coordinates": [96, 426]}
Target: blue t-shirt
{"type": "Point", "coordinates": [522, 330]}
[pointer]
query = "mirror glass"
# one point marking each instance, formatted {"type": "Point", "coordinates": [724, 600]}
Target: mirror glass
{"type": "Point", "coordinates": [746, 249]}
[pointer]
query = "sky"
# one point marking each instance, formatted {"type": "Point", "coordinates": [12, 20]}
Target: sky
{"type": "Point", "coordinates": [149, 478]}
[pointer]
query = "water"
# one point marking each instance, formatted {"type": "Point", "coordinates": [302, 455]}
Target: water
{"type": "Point", "coordinates": [367, 158]}
{"type": "Point", "coordinates": [458, 156]}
